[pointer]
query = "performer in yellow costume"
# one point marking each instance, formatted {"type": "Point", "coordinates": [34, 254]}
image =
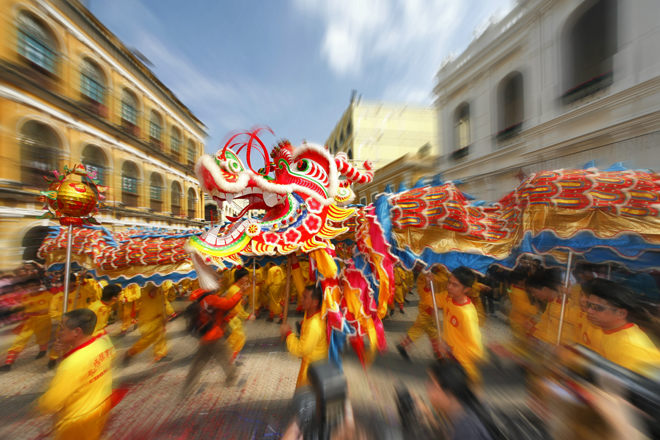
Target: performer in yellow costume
{"type": "Point", "coordinates": [586, 333]}
{"type": "Point", "coordinates": [90, 291]}
{"type": "Point", "coordinates": [611, 307]}
{"type": "Point", "coordinates": [460, 327]}
{"type": "Point", "coordinates": [475, 298]}
{"type": "Point", "coordinates": [425, 322]}
{"type": "Point", "coordinates": [300, 276]}
{"type": "Point", "coordinates": [275, 283]}
{"type": "Point", "coordinates": [400, 285]}
{"type": "Point", "coordinates": [544, 287]}
{"type": "Point", "coordinates": [103, 306]}
{"type": "Point", "coordinates": [522, 309]}
{"type": "Point", "coordinates": [237, 315]}
{"type": "Point", "coordinates": [36, 300]}
{"type": "Point", "coordinates": [79, 395]}
{"type": "Point", "coordinates": [151, 323]}
{"type": "Point", "coordinates": [312, 345]}
{"type": "Point", "coordinates": [130, 301]}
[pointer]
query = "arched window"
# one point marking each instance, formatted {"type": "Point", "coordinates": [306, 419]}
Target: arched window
{"type": "Point", "coordinates": [349, 153]}
{"type": "Point", "coordinates": [335, 148]}
{"type": "Point", "coordinates": [192, 201]}
{"type": "Point", "coordinates": [32, 241]}
{"type": "Point", "coordinates": [349, 129]}
{"type": "Point", "coordinates": [129, 112]}
{"type": "Point", "coordinates": [155, 128]}
{"type": "Point", "coordinates": [39, 153]}
{"type": "Point", "coordinates": [94, 160]}
{"type": "Point", "coordinates": [92, 81]}
{"type": "Point", "coordinates": [175, 144]}
{"type": "Point", "coordinates": [176, 198]}
{"type": "Point", "coordinates": [462, 126]}
{"type": "Point", "coordinates": [211, 213]}
{"type": "Point", "coordinates": [130, 184]}
{"type": "Point", "coordinates": [192, 156]}
{"type": "Point", "coordinates": [511, 105]}
{"type": "Point", "coordinates": [156, 192]}
{"type": "Point", "coordinates": [36, 42]}
{"type": "Point", "coordinates": [590, 42]}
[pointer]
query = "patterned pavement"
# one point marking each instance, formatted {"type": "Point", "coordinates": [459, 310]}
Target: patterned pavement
{"type": "Point", "coordinates": [256, 407]}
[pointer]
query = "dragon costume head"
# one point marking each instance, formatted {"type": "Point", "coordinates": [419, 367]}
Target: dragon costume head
{"type": "Point", "coordinates": [299, 188]}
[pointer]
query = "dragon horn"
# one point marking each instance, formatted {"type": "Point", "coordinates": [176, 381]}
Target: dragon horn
{"type": "Point", "coordinates": [352, 173]}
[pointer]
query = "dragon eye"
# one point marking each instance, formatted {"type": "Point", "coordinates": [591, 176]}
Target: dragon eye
{"type": "Point", "coordinates": [302, 165]}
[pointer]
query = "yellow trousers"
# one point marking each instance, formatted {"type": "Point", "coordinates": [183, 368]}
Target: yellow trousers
{"type": "Point", "coordinates": [302, 375]}
{"type": "Point", "coordinates": [399, 294]}
{"type": "Point", "coordinates": [152, 333]}
{"type": "Point", "coordinates": [424, 324]}
{"type": "Point", "coordinates": [236, 340]}
{"type": "Point", "coordinates": [39, 326]}
{"type": "Point", "coordinates": [88, 427]}
{"type": "Point", "coordinates": [275, 293]}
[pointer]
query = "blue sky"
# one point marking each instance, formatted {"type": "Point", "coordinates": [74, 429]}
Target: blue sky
{"type": "Point", "coordinates": [291, 64]}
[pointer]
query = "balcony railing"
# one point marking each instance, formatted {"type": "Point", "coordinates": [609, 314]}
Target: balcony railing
{"type": "Point", "coordinates": [459, 154]}
{"type": "Point", "coordinates": [509, 132]}
{"type": "Point", "coordinates": [191, 213]}
{"type": "Point", "coordinates": [156, 205]}
{"type": "Point", "coordinates": [130, 200]}
{"type": "Point", "coordinates": [588, 87]}
{"type": "Point", "coordinates": [34, 177]}
{"type": "Point", "coordinates": [97, 108]}
{"type": "Point", "coordinates": [130, 128]}
{"type": "Point", "coordinates": [176, 209]}
{"type": "Point", "coordinates": [156, 143]}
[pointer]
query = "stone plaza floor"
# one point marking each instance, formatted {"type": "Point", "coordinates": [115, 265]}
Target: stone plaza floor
{"type": "Point", "coordinates": [256, 407]}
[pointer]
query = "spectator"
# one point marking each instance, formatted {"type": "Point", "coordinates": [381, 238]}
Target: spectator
{"type": "Point", "coordinates": [613, 308]}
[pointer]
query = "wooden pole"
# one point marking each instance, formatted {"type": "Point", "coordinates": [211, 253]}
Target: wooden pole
{"type": "Point", "coordinates": [563, 299]}
{"type": "Point", "coordinates": [254, 285]}
{"type": "Point", "coordinates": [287, 289]}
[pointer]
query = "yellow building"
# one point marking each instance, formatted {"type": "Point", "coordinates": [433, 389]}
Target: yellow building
{"type": "Point", "coordinates": [71, 92]}
{"type": "Point", "coordinates": [408, 169]}
{"type": "Point", "coordinates": [383, 132]}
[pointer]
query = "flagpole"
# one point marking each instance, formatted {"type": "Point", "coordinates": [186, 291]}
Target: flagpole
{"type": "Point", "coordinates": [567, 278]}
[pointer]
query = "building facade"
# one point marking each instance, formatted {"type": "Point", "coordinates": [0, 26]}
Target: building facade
{"type": "Point", "coordinates": [383, 132]}
{"type": "Point", "coordinates": [71, 92]}
{"type": "Point", "coordinates": [555, 84]}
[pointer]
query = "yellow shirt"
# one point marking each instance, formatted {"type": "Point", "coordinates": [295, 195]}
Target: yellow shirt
{"type": "Point", "coordinates": [521, 308]}
{"type": "Point", "coordinates": [83, 381]}
{"type": "Point", "coordinates": [102, 312]}
{"type": "Point", "coordinates": [439, 280]}
{"type": "Point", "coordinates": [37, 303]}
{"type": "Point", "coordinates": [400, 277]}
{"type": "Point", "coordinates": [56, 303]}
{"type": "Point", "coordinates": [548, 327]}
{"type": "Point", "coordinates": [586, 333]}
{"type": "Point", "coordinates": [313, 342]}
{"type": "Point", "coordinates": [131, 293]}
{"type": "Point", "coordinates": [238, 310]}
{"type": "Point", "coordinates": [460, 330]}
{"type": "Point", "coordinates": [152, 304]}
{"type": "Point", "coordinates": [90, 291]}
{"type": "Point", "coordinates": [631, 348]}
{"type": "Point", "coordinates": [275, 276]}
{"type": "Point", "coordinates": [575, 293]}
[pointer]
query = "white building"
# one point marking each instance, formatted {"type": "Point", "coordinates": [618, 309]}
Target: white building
{"type": "Point", "coordinates": [554, 84]}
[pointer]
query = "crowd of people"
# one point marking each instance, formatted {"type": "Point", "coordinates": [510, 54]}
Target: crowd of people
{"type": "Point", "coordinates": [602, 314]}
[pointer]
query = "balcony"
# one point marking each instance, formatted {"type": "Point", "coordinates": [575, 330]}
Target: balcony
{"type": "Point", "coordinates": [460, 154]}
{"type": "Point", "coordinates": [97, 108]}
{"type": "Point", "coordinates": [191, 214]}
{"type": "Point", "coordinates": [176, 210]}
{"type": "Point", "coordinates": [156, 205]}
{"type": "Point", "coordinates": [130, 128]}
{"type": "Point", "coordinates": [588, 87]}
{"type": "Point", "coordinates": [509, 132]}
{"type": "Point", "coordinates": [157, 144]}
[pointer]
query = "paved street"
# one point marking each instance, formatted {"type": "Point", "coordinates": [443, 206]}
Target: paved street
{"type": "Point", "coordinates": [256, 407]}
